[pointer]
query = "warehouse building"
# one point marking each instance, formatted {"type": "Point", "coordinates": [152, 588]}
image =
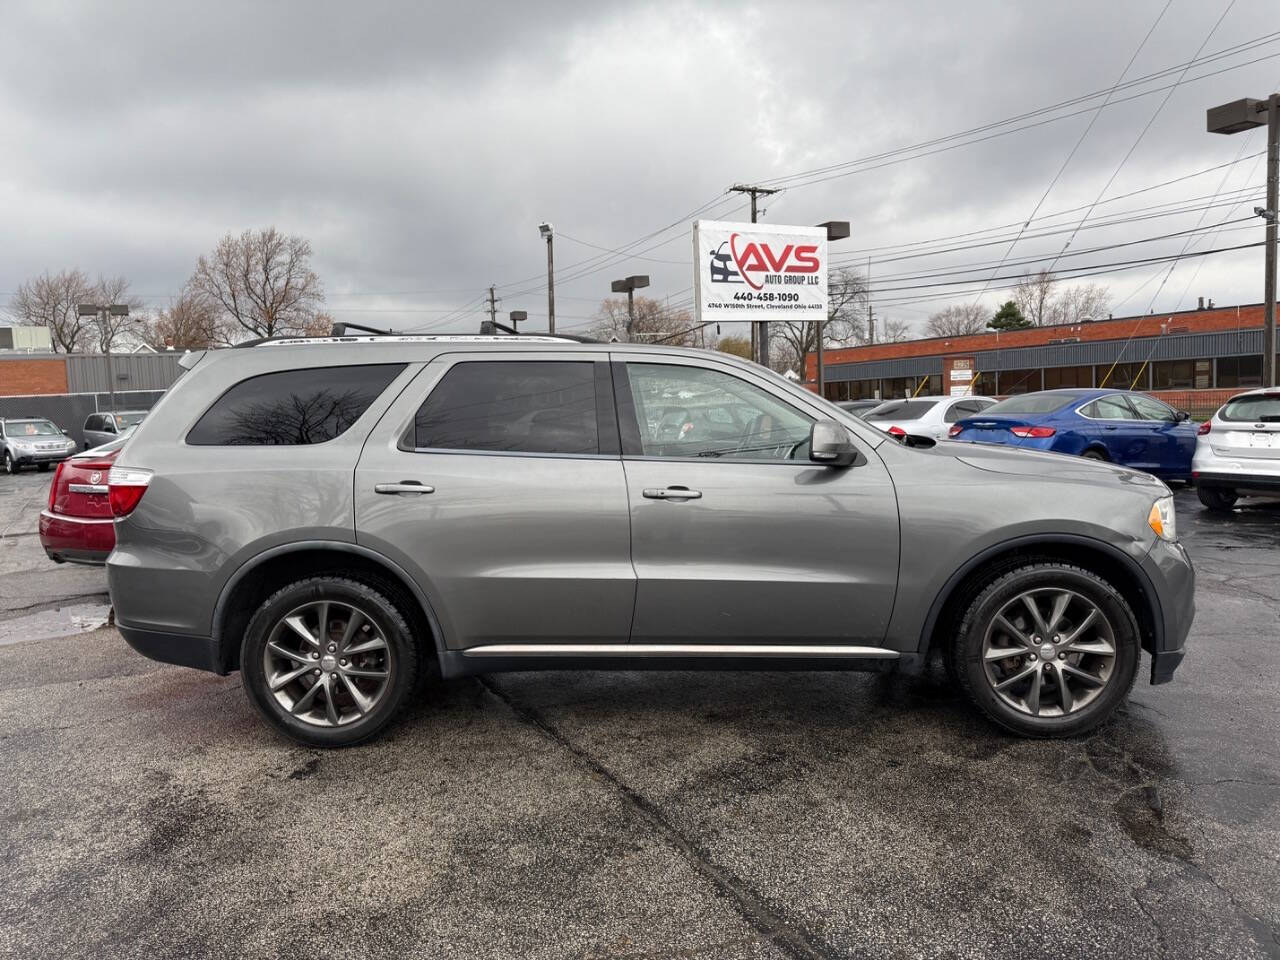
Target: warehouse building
{"type": "Point", "coordinates": [1194, 360]}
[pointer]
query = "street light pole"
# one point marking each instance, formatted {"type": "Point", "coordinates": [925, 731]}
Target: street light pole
{"type": "Point", "coordinates": [1245, 115]}
{"type": "Point", "coordinates": [836, 230]}
{"type": "Point", "coordinates": [548, 234]}
{"type": "Point", "coordinates": [103, 312]}
{"type": "Point", "coordinates": [629, 285]}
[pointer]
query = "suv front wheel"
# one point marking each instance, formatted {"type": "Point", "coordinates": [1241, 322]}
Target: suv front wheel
{"type": "Point", "coordinates": [328, 661]}
{"type": "Point", "coordinates": [1048, 650]}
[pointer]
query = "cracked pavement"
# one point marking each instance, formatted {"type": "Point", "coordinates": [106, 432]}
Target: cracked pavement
{"type": "Point", "coordinates": [147, 812]}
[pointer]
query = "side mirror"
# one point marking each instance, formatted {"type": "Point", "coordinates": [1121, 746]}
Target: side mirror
{"type": "Point", "coordinates": [66, 433]}
{"type": "Point", "coordinates": [830, 445]}
{"type": "Point", "coordinates": [1180, 416]}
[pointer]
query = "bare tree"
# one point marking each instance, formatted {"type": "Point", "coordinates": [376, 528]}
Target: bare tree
{"type": "Point", "coordinates": [111, 331]}
{"type": "Point", "coordinates": [1034, 297]}
{"type": "Point", "coordinates": [895, 331]}
{"type": "Point", "coordinates": [654, 320]}
{"type": "Point", "coordinates": [50, 300]}
{"type": "Point", "coordinates": [261, 282]}
{"type": "Point", "coordinates": [846, 322]}
{"type": "Point", "coordinates": [190, 322]}
{"type": "Point", "coordinates": [958, 320]}
{"type": "Point", "coordinates": [1086, 301]}
{"type": "Point", "coordinates": [738, 346]}
{"type": "Point", "coordinates": [1045, 302]}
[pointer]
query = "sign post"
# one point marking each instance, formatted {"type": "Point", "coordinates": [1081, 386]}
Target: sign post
{"type": "Point", "coordinates": [757, 273]}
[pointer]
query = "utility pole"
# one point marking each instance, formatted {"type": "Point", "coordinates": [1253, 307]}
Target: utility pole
{"type": "Point", "coordinates": [1245, 115]}
{"type": "Point", "coordinates": [871, 317]}
{"type": "Point", "coordinates": [548, 233]}
{"type": "Point", "coordinates": [493, 307]}
{"type": "Point", "coordinates": [759, 331]}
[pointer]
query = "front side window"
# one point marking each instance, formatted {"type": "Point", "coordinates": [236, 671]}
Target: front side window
{"type": "Point", "coordinates": [685, 411]}
{"type": "Point", "coordinates": [1151, 409]}
{"type": "Point", "coordinates": [1109, 408]}
{"type": "Point", "coordinates": [292, 407]}
{"type": "Point", "coordinates": [513, 406]}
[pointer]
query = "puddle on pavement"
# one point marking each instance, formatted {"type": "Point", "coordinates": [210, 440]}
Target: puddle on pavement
{"type": "Point", "coordinates": [64, 621]}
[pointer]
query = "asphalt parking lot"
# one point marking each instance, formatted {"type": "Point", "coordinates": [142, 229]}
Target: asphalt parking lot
{"type": "Point", "coordinates": [148, 813]}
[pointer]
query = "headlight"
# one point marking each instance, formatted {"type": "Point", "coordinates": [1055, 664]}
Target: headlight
{"type": "Point", "coordinates": [1161, 519]}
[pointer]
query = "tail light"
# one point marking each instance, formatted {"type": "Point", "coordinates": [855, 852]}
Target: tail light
{"type": "Point", "coordinates": [1038, 432]}
{"type": "Point", "coordinates": [125, 487]}
{"type": "Point", "coordinates": [896, 432]}
{"type": "Point", "coordinates": [53, 487]}
{"type": "Point", "coordinates": [1204, 428]}
{"type": "Point", "coordinates": [955, 430]}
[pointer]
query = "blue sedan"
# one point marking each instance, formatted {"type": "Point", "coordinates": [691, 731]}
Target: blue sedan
{"type": "Point", "coordinates": [1126, 428]}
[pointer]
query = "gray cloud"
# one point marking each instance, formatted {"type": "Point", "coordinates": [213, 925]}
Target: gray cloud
{"type": "Point", "coordinates": [418, 146]}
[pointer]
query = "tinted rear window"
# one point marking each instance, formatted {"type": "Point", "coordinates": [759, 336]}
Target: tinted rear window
{"type": "Point", "coordinates": [1033, 403]}
{"type": "Point", "coordinates": [526, 406]}
{"type": "Point", "coordinates": [292, 407]}
{"type": "Point", "coordinates": [900, 410]}
{"type": "Point", "coordinates": [1260, 408]}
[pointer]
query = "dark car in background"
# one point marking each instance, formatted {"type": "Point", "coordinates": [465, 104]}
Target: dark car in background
{"type": "Point", "coordinates": [100, 428]}
{"type": "Point", "coordinates": [32, 441]}
{"type": "Point", "coordinates": [1118, 426]}
{"type": "Point", "coordinates": [76, 525]}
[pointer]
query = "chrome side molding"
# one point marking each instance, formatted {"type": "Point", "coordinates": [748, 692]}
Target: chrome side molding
{"type": "Point", "coordinates": [678, 650]}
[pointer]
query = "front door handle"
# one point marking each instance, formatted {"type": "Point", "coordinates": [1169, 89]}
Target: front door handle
{"type": "Point", "coordinates": [672, 493]}
{"type": "Point", "coordinates": [1111, 428]}
{"type": "Point", "coordinates": [410, 488]}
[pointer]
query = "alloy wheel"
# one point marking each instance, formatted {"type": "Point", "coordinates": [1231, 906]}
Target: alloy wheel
{"type": "Point", "coordinates": [327, 663]}
{"type": "Point", "coordinates": [1049, 652]}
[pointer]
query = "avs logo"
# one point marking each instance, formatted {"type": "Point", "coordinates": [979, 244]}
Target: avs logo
{"type": "Point", "coordinates": [751, 262]}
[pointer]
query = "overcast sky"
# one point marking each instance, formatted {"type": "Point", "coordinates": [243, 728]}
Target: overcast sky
{"type": "Point", "coordinates": [419, 149]}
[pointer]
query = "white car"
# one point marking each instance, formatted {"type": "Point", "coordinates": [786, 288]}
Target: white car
{"type": "Point", "coordinates": [1238, 450]}
{"type": "Point", "coordinates": [930, 417]}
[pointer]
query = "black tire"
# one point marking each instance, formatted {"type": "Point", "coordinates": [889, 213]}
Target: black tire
{"type": "Point", "coordinates": [967, 648]}
{"type": "Point", "coordinates": [9, 466]}
{"type": "Point", "coordinates": [1218, 499]}
{"type": "Point", "coordinates": [1096, 455]}
{"type": "Point", "coordinates": [404, 659]}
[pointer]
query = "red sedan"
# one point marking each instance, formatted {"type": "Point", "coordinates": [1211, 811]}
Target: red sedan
{"type": "Point", "coordinates": [76, 525]}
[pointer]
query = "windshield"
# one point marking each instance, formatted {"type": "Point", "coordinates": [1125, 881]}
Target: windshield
{"type": "Point", "coordinates": [129, 419]}
{"type": "Point", "coordinates": [31, 428]}
{"type": "Point", "coordinates": [900, 410]}
{"type": "Point", "coordinates": [1260, 408]}
{"type": "Point", "coordinates": [1032, 403]}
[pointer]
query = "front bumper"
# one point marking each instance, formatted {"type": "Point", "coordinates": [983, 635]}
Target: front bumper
{"type": "Point", "coordinates": [1173, 579]}
{"type": "Point", "coordinates": [76, 539]}
{"type": "Point", "coordinates": [44, 456]}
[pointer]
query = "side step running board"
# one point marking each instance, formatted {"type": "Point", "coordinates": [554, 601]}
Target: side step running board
{"type": "Point", "coordinates": [784, 651]}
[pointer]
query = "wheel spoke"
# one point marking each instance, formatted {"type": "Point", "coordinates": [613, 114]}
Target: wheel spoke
{"type": "Point", "coordinates": [1100, 647]}
{"type": "Point", "coordinates": [1004, 653]}
{"type": "Point", "coordinates": [305, 701]}
{"type": "Point", "coordinates": [1083, 626]}
{"type": "Point", "coordinates": [1029, 602]}
{"type": "Point", "coordinates": [363, 703]}
{"type": "Point", "coordinates": [1003, 622]}
{"type": "Point", "coordinates": [1033, 695]}
{"type": "Point", "coordinates": [330, 708]}
{"type": "Point", "coordinates": [377, 643]}
{"type": "Point", "coordinates": [1010, 681]}
{"type": "Point", "coordinates": [1084, 677]}
{"type": "Point", "coordinates": [296, 624]}
{"type": "Point", "coordinates": [361, 672]}
{"type": "Point", "coordinates": [1064, 691]}
{"type": "Point", "coordinates": [1059, 608]}
{"type": "Point", "coordinates": [353, 624]}
{"type": "Point", "coordinates": [284, 679]}
{"type": "Point", "coordinates": [322, 624]}
{"type": "Point", "coordinates": [281, 650]}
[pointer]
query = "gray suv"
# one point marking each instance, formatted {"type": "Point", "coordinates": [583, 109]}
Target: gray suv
{"type": "Point", "coordinates": [338, 517]}
{"type": "Point", "coordinates": [32, 441]}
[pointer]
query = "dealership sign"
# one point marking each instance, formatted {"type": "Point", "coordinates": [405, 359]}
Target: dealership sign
{"type": "Point", "coordinates": [750, 271]}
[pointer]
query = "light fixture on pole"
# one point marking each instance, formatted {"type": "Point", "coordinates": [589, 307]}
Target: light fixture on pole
{"type": "Point", "coordinates": [836, 230]}
{"type": "Point", "coordinates": [517, 317]}
{"type": "Point", "coordinates": [629, 285]}
{"type": "Point", "coordinates": [101, 312]}
{"type": "Point", "coordinates": [1246, 115]}
{"type": "Point", "coordinates": [548, 233]}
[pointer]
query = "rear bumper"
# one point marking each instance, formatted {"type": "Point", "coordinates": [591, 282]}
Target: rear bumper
{"type": "Point", "coordinates": [76, 539]}
{"type": "Point", "coordinates": [1238, 481]}
{"type": "Point", "coordinates": [176, 648]}
{"type": "Point", "coordinates": [1173, 578]}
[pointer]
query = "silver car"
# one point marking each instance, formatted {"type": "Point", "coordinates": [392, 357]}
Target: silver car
{"type": "Point", "coordinates": [1238, 450]}
{"type": "Point", "coordinates": [100, 428]}
{"type": "Point", "coordinates": [334, 517]}
{"type": "Point", "coordinates": [32, 441]}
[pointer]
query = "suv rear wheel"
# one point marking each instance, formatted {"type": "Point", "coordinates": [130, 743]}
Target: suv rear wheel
{"type": "Point", "coordinates": [1047, 650]}
{"type": "Point", "coordinates": [329, 661]}
{"type": "Point", "coordinates": [1217, 498]}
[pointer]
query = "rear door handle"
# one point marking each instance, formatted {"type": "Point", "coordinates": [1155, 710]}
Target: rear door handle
{"type": "Point", "coordinates": [672, 493]}
{"type": "Point", "coordinates": [406, 487]}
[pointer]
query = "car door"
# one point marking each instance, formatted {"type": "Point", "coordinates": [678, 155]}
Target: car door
{"type": "Point", "coordinates": [743, 539]}
{"type": "Point", "coordinates": [1115, 425]}
{"type": "Point", "coordinates": [1173, 437]}
{"type": "Point", "coordinates": [92, 430]}
{"type": "Point", "coordinates": [495, 480]}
